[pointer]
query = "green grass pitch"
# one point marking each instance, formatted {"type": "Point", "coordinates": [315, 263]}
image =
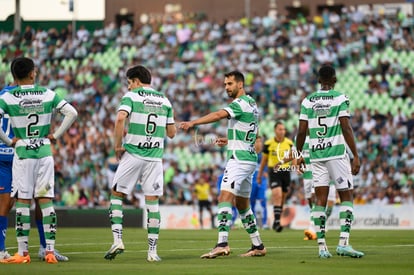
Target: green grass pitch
{"type": "Point", "coordinates": [386, 252]}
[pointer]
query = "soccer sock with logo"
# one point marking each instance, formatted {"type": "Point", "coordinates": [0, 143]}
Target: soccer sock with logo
{"type": "Point", "coordinates": [49, 224]}
{"type": "Point", "coordinates": [346, 217]}
{"type": "Point", "coordinates": [116, 218]}
{"type": "Point", "coordinates": [249, 223]}
{"type": "Point", "coordinates": [22, 227]}
{"type": "Point", "coordinates": [224, 217]}
{"type": "Point", "coordinates": [319, 218]}
{"type": "Point", "coordinates": [153, 224]}
{"type": "Point", "coordinates": [311, 221]}
{"type": "Point", "coordinates": [277, 212]}
{"type": "Point", "coordinates": [3, 231]}
{"type": "Point", "coordinates": [39, 224]}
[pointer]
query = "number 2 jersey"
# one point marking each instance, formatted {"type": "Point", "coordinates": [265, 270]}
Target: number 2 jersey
{"type": "Point", "coordinates": [242, 129]}
{"type": "Point", "coordinates": [149, 113]}
{"type": "Point", "coordinates": [30, 109]}
{"type": "Point", "coordinates": [322, 110]}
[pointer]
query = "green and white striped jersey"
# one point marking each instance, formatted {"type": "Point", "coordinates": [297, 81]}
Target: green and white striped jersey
{"type": "Point", "coordinates": [149, 112]}
{"type": "Point", "coordinates": [30, 110]}
{"type": "Point", "coordinates": [322, 110]}
{"type": "Point", "coordinates": [242, 129]}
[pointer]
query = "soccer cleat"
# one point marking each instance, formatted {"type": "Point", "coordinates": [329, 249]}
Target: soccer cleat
{"type": "Point", "coordinates": [255, 251]}
{"type": "Point", "coordinates": [152, 257]}
{"type": "Point", "coordinates": [310, 235]}
{"type": "Point", "coordinates": [17, 259]}
{"type": "Point", "coordinates": [217, 251]}
{"type": "Point", "coordinates": [59, 257]}
{"type": "Point", "coordinates": [115, 249]}
{"type": "Point", "coordinates": [347, 250]}
{"type": "Point", "coordinates": [324, 254]}
{"type": "Point", "coordinates": [277, 227]}
{"type": "Point", "coordinates": [50, 258]}
{"type": "Point", "coordinates": [4, 255]}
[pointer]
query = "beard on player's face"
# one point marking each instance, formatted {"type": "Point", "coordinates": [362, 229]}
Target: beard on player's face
{"type": "Point", "coordinates": [232, 92]}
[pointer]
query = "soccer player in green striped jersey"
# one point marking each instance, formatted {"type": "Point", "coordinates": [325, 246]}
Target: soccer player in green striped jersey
{"type": "Point", "coordinates": [150, 119]}
{"type": "Point", "coordinates": [325, 114]}
{"type": "Point", "coordinates": [236, 184]}
{"type": "Point", "coordinates": [30, 109]}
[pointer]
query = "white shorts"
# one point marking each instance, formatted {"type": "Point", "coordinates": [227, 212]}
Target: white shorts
{"type": "Point", "coordinates": [338, 170]}
{"type": "Point", "coordinates": [309, 190]}
{"type": "Point", "coordinates": [237, 178]}
{"type": "Point", "coordinates": [133, 170]}
{"type": "Point", "coordinates": [33, 178]}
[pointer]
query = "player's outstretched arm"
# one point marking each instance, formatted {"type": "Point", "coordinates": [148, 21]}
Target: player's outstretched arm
{"type": "Point", "coordinates": [212, 117]}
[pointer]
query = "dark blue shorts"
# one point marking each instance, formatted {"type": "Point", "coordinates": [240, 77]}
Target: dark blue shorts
{"type": "Point", "coordinates": [5, 176]}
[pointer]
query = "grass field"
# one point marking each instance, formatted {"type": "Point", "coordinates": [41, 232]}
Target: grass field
{"type": "Point", "coordinates": [386, 252]}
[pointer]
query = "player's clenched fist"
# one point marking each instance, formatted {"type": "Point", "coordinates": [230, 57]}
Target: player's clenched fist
{"type": "Point", "coordinates": [185, 125]}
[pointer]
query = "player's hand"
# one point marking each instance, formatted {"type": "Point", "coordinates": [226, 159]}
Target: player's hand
{"type": "Point", "coordinates": [221, 141]}
{"type": "Point", "coordinates": [300, 166]}
{"type": "Point", "coordinates": [259, 179]}
{"type": "Point", "coordinates": [51, 138]}
{"type": "Point", "coordinates": [14, 141]}
{"type": "Point", "coordinates": [119, 152]}
{"type": "Point", "coordinates": [185, 125]}
{"type": "Point", "coordinates": [355, 166]}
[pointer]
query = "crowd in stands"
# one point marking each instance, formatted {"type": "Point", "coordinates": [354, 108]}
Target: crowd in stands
{"type": "Point", "coordinates": [188, 59]}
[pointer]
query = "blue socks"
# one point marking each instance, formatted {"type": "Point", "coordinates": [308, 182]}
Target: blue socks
{"type": "Point", "coordinates": [41, 231]}
{"type": "Point", "coordinates": [3, 230]}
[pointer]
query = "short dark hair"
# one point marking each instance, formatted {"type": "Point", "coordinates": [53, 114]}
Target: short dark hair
{"type": "Point", "coordinates": [277, 124]}
{"type": "Point", "coordinates": [326, 72]}
{"type": "Point", "coordinates": [238, 76]}
{"type": "Point", "coordinates": [12, 68]}
{"type": "Point", "coordinates": [21, 67]}
{"type": "Point", "coordinates": [140, 72]}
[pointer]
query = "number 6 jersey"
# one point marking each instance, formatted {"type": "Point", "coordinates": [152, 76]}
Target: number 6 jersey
{"type": "Point", "coordinates": [149, 112]}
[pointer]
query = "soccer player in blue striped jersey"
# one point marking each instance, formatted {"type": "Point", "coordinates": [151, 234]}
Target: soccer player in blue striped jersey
{"type": "Point", "coordinates": [6, 162]}
{"type": "Point", "coordinates": [325, 114]}
{"type": "Point", "coordinates": [236, 186]}
{"type": "Point", "coordinates": [259, 187]}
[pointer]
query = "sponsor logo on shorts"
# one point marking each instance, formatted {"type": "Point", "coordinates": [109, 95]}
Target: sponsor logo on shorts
{"type": "Point", "coordinates": [156, 186]}
{"type": "Point", "coordinates": [340, 180]}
